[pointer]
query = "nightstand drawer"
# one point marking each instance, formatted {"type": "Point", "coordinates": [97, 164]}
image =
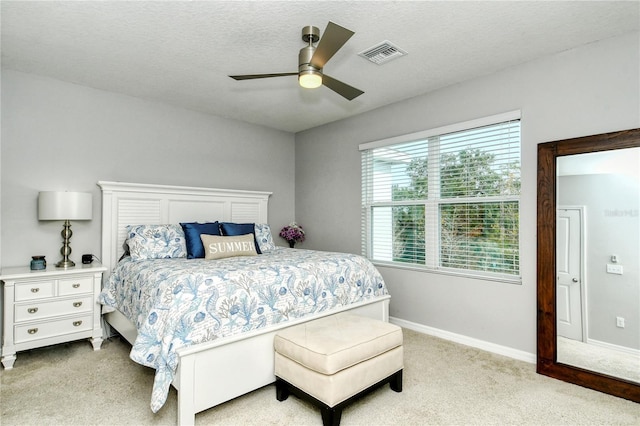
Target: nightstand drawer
{"type": "Point", "coordinates": [75, 285]}
{"type": "Point", "coordinates": [34, 290]}
{"type": "Point", "coordinates": [28, 332]}
{"type": "Point", "coordinates": [32, 311]}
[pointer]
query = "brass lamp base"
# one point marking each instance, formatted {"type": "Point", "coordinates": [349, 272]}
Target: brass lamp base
{"type": "Point", "coordinates": [65, 251]}
{"type": "Point", "coordinates": [65, 264]}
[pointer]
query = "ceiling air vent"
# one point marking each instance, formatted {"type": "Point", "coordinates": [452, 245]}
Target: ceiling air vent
{"type": "Point", "coordinates": [382, 52]}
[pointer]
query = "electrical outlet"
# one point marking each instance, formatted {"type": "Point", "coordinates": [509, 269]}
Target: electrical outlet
{"type": "Point", "coordinates": [620, 322]}
{"type": "Point", "coordinates": [614, 269]}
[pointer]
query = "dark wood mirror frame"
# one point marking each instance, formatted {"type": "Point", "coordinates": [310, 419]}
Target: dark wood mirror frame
{"type": "Point", "coordinates": [546, 263]}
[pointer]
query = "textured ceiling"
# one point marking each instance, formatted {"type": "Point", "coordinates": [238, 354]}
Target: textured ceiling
{"type": "Point", "coordinates": [181, 53]}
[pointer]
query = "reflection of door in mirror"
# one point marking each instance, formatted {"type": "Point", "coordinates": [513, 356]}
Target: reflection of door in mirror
{"type": "Point", "coordinates": [569, 261]}
{"type": "Point", "coordinates": [597, 262]}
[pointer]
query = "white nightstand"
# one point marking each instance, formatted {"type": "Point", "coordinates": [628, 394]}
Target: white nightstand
{"type": "Point", "coordinates": [51, 306]}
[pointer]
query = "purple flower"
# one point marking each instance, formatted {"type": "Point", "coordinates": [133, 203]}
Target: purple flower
{"type": "Point", "coordinates": [292, 232]}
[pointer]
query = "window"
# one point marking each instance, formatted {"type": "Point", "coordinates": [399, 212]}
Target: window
{"type": "Point", "coordinates": [446, 199]}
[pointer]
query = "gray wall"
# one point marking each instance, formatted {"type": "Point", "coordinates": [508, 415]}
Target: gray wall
{"type": "Point", "coordinates": [60, 136]}
{"type": "Point", "coordinates": [609, 295]}
{"type": "Point", "coordinates": [589, 90]}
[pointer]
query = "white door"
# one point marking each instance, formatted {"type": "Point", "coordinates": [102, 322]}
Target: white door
{"type": "Point", "coordinates": [569, 272]}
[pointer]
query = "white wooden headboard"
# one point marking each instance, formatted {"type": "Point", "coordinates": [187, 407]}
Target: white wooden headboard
{"type": "Point", "coordinates": [137, 204]}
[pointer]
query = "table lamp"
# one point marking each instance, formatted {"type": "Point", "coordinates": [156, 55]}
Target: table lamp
{"type": "Point", "coordinates": [67, 206]}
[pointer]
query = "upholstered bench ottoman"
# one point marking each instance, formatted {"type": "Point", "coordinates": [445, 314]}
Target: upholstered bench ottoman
{"type": "Point", "coordinates": [333, 360]}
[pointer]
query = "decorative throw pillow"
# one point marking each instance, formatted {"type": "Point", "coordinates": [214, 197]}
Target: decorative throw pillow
{"type": "Point", "coordinates": [156, 241]}
{"type": "Point", "coordinates": [230, 229]}
{"type": "Point", "coordinates": [219, 247]}
{"type": "Point", "coordinates": [192, 231]}
{"type": "Point", "coordinates": [264, 237]}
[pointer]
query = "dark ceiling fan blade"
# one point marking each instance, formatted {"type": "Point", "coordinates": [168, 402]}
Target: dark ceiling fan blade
{"type": "Point", "coordinates": [341, 88]}
{"type": "Point", "coordinates": [252, 76]}
{"type": "Point", "coordinates": [332, 40]}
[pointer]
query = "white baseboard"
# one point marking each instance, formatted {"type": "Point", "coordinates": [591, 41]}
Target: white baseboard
{"type": "Point", "coordinates": [465, 340]}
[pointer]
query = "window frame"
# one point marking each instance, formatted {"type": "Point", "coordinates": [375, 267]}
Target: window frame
{"type": "Point", "coordinates": [432, 229]}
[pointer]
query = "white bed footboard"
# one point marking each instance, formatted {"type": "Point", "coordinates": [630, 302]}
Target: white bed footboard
{"type": "Point", "coordinates": [215, 372]}
{"type": "Point", "coordinates": [245, 363]}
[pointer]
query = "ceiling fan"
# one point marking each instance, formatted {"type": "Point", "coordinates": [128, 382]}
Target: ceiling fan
{"type": "Point", "coordinates": [312, 59]}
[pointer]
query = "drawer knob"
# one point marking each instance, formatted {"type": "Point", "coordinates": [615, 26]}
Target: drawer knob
{"type": "Point", "coordinates": [32, 330]}
{"type": "Point", "coordinates": [76, 285]}
{"type": "Point", "coordinates": [35, 290]}
{"type": "Point", "coordinates": [77, 323]}
{"type": "Point", "coordinates": [77, 304]}
{"type": "Point", "coordinates": [32, 310]}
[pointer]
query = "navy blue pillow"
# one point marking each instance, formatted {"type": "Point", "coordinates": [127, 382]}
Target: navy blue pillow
{"type": "Point", "coordinates": [192, 232]}
{"type": "Point", "coordinates": [230, 229]}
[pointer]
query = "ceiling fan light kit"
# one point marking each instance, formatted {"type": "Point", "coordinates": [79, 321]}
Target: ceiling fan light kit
{"type": "Point", "coordinates": [310, 79]}
{"type": "Point", "coordinates": [308, 76]}
{"type": "Point", "coordinates": [312, 60]}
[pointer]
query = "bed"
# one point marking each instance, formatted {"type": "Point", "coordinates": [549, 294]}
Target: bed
{"type": "Point", "coordinates": [244, 354]}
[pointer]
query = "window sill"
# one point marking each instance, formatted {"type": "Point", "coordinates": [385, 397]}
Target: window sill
{"type": "Point", "coordinates": [476, 276]}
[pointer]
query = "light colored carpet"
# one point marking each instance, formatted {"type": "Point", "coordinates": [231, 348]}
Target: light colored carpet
{"type": "Point", "coordinates": [444, 384]}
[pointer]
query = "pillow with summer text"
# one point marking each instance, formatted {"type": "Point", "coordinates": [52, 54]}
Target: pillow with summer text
{"type": "Point", "coordinates": [220, 247]}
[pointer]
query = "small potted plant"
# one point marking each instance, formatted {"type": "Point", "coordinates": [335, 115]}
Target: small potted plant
{"type": "Point", "coordinates": [293, 233]}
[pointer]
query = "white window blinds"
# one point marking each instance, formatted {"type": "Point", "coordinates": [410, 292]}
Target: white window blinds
{"type": "Point", "coordinates": [445, 200]}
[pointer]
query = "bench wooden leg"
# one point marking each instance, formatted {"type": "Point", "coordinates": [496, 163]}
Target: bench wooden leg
{"type": "Point", "coordinates": [282, 389]}
{"type": "Point", "coordinates": [331, 415]}
{"type": "Point", "coordinates": [396, 382]}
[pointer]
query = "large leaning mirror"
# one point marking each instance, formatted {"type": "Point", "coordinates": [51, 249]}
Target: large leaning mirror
{"type": "Point", "coordinates": [589, 262]}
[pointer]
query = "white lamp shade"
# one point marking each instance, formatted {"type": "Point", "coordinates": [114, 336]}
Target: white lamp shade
{"type": "Point", "coordinates": [53, 205]}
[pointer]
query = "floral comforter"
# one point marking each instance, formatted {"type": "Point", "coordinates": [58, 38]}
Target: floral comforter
{"type": "Point", "coordinates": [181, 302]}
